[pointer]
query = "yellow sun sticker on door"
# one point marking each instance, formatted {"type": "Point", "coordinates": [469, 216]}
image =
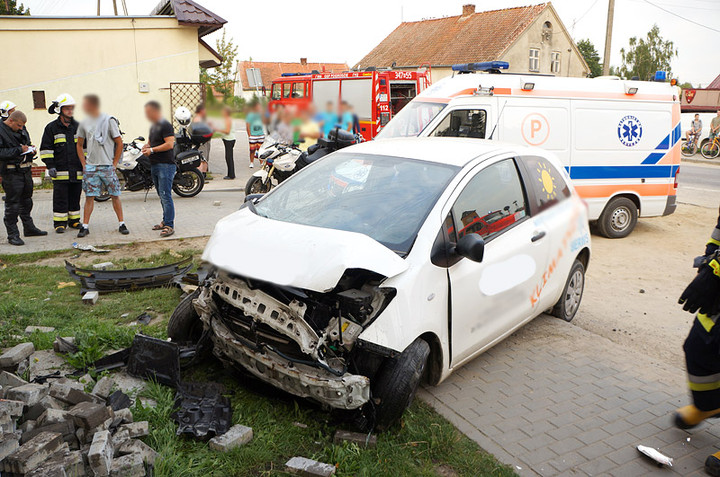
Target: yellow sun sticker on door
{"type": "Point", "coordinates": [547, 181]}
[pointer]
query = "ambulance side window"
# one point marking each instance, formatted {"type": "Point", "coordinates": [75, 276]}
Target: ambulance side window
{"type": "Point", "coordinates": [463, 123]}
{"type": "Point", "coordinates": [548, 184]}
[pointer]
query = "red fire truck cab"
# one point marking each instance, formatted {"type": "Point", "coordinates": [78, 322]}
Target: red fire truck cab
{"type": "Point", "coordinates": [376, 96]}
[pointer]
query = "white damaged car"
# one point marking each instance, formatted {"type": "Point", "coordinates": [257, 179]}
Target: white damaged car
{"type": "Point", "coordinates": [387, 263]}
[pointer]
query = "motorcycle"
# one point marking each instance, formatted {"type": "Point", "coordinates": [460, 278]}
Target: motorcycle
{"type": "Point", "coordinates": [280, 161]}
{"type": "Point", "coordinates": [134, 167]}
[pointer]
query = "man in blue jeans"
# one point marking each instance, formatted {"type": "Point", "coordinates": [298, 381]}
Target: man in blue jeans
{"type": "Point", "coordinates": [159, 149]}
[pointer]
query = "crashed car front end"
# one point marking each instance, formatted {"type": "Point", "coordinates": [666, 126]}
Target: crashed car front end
{"type": "Point", "coordinates": [301, 341]}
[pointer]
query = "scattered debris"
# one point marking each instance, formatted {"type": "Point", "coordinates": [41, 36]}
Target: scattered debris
{"type": "Point", "coordinates": [155, 359]}
{"type": "Point", "coordinates": [12, 357]}
{"type": "Point", "coordinates": [89, 248]}
{"type": "Point", "coordinates": [236, 436]}
{"type": "Point", "coordinates": [660, 458]}
{"type": "Point", "coordinates": [40, 329]}
{"type": "Point", "coordinates": [308, 467]}
{"type": "Point", "coordinates": [202, 409]}
{"type": "Point", "coordinates": [65, 345]}
{"type": "Point", "coordinates": [217, 203]}
{"type": "Point", "coordinates": [62, 285]}
{"type": "Point", "coordinates": [91, 297]}
{"type": "Point", "coordinates": [300, 425]}
{"type": "Point", "coordinates": [103, 265]}
{"type": "Point", "coordinates": [144, 319]}
{"type": "Point", "coordinates": [363, 440]}
{"type": "Point", "coordinates": [107, 281]}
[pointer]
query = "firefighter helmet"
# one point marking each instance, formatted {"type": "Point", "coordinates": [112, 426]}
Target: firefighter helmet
{"type": "Point", "coordinates": [62, 100]}
{"type": "Point", "coordinates": [5, 108]}
{"type": "Point", "coordinates": [183, 115]}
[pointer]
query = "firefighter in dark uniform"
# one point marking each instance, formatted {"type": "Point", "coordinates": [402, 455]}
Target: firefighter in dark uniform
{"type": "Point", "coordinates": [16, 172]}
{"type": "Point", "coordinates": [58, 152]}
{"type": "Point", "coordinates": [702, 346]}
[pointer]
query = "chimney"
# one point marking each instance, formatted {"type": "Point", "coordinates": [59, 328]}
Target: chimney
{"type": "Point", "coordinates": [303, 61]}
{"type": "Point", "coordinates": [468, 9]}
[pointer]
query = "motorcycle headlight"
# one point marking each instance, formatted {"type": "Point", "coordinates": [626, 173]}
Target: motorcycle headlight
{"type": "Point", "coordinates": [265, 155]}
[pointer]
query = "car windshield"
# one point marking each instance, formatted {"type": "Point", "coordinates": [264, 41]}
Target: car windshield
{"type": "Point", "coordinates": [411, 120]}
{"type": "Point", "coordinates": [385, 198]}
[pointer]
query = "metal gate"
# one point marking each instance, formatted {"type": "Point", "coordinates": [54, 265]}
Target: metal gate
{"type": "Point", "coordinates": [190, 95]}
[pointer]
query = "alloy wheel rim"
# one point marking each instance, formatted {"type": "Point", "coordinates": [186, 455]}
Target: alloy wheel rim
{"type": "Point", "coordinates": [573, 293]}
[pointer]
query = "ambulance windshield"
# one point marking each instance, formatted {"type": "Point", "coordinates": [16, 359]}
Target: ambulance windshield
{"type": "Point", "coordinates": [411, 120]}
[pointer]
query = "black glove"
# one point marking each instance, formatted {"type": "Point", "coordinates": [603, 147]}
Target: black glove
{"type": "Point", "coordinates": [703, 293]}
{"type": "Point", "coordinates": [710, 248]}
{"type": "Point", "coordinates": [52, 172]}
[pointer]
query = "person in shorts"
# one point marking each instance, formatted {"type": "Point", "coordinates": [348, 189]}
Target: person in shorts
{"type": "Point", "coordinates": [99, 133]}
{"type": "Point", "coordinates": [255, 130]}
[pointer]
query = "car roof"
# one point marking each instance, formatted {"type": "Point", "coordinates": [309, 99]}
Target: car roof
{"type": "Point", "coordinates": [442, 150]}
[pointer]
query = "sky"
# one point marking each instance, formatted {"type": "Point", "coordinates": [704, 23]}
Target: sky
{"type": "Point", "coordinates": [340, 31]}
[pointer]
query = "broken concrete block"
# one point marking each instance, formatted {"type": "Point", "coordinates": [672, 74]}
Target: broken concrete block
{"type": "Point", "coordinates": [103, 265]}
{"type": "Point", "coordinates": [309, 468]}
{"type": "Point", "coordinates": [7, 423]}
{"type": "Point", "coordinates": [103, 387]}
{"type": "Point", "coordinates": [10, 380]}
{"type": "Point", "coordinates": [65, 345]}
{"type": "Point", "coordinates": [30, 394]}
{"type": "Point", "coordinates": [13, 408]}
{"type": "Point", "coordinates": [73, 394]}
{"type": "Point", "coordinates": [130, 465]}
{"type": "Point", "coordinates": [86, 380]}
{"type": "Point", "coordinates": [91, 297]}
{"type": "Point", "coordinates": [136, 429]}
{"type": "Point", "coordinates": [66, 428]}
{"type": "Point", "coordinates": [48, 402]}
{"type": "Point", "coordinates": [236, 436]}
{"type": "Point", "coordinates": [68, 463]}
{"type": "Point", "coordinates": [22, 367]}
{"type": "Point", "coordinates": [119, 438]}
{"type": "Point", "coordinates": [100, 455]}
{"type": "Point", "coordinates": [28, 426]}
{"type": "Point", "coordinates": [40, 329]}
{"type": "Point", "coordinates": [34, 452]}
{"type": "Point", "coordinates": [148, 454]}
{"type": "Point", "coordinates": [122, 416]}
{"type": "Point", "coordinates": [356, 438]}
{"type": "Point", "coordinates": [16, 354]}
{"type": "Point", "coordinates": [53, 416]}
{"type": "Point", "coordinates": [89, 415]}
{"type": "Point", "coordinates": [9, 442]}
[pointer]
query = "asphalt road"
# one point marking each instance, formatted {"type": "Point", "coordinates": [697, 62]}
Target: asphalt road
{"type": "Point", "coordinates": [699, 185]}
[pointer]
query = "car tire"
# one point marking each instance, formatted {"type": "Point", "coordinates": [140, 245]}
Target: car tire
{"type": "Point", "coordinates": [185, 325]}
{"type": "Point", "coordinates": [569, 303]}
{"type": "Point", "coordinates": [618, 219]}
{"type": "Point", "coordinates": [396, 383]}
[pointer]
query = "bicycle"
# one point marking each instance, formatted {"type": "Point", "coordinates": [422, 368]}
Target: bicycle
{"type": "Point", "coordinates": [690, 147]}
{"type": "Point", "coordinates": [711, 148]}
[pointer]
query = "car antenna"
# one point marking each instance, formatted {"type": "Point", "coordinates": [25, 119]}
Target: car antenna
{"type": "Point", "coordinates": [498, 120]}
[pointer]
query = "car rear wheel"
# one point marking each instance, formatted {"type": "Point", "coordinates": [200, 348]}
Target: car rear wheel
{"type": "Point", "coordinates": [396, 383]}
{"type": "Point", "coordinates": [185, 325]}
{"type": "Point", "coordinates": [567, 306]}
{"type": "Point", "coordinates": [619, 218]}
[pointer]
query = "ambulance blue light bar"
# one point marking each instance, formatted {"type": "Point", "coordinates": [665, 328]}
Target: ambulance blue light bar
{"type": "Point", "coordinates": [482, 66]}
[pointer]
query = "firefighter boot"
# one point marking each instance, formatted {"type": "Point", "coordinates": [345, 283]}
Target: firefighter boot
{"type": "Point", "coordinates": [712, 464]}
{"type": "Point", "coordinates": [689, 416]}
{"type": "Point", "coordinates": [32, 231]}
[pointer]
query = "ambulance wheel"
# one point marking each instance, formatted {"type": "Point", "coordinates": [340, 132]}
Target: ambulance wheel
{"type": "Point", "coordinates": [185, 325]}
{"type": "Point", "coordinates": [618, 219]}
{"type": "Point", "coordinates": [569, 303]}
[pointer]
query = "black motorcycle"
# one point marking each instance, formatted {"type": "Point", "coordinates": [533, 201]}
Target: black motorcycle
{"type": "Point", "coordinates": [134, 167]}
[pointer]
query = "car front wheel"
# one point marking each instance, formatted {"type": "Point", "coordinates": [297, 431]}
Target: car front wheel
{"type": "Point", "coordinates": [396, 383]}
{"type": "Point", "coordinates": [569, 303]}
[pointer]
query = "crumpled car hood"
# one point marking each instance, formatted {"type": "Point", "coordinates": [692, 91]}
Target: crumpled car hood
{"type": "Point", "coordinates": [294, 255]}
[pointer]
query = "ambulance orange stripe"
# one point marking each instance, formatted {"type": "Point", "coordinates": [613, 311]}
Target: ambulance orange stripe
{"type": "Point", "coordinates": [643, 190]}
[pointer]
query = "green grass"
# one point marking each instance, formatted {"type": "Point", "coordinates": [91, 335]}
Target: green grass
{"type": "Point", "coordinates": [418, 446]}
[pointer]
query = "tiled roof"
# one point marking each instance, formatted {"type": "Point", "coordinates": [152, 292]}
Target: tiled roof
{"type": "Point", "coordinates": [482, 36]}
{"type": "Point", "coordinates": [715, 84]}
{"type": "Point", "coordinates": [272, 70]}
{"type": "Point", "coordinates": [190, 13]}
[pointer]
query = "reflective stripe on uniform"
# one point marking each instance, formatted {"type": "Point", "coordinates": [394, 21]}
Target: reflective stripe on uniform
{"type": "Point", "coordinates": [715, 237]}
{"type": "Point", "coordinates": [715, 266]}
{"type": "Point", "coordinates": [60, 138]}
{"type": "Point", "coordinates": [710, 382]}
{"type": "Point", "coordinates": [706, 321]}
{"type": "Point", "coordinates": [62, 176]}
{"type": "Point", "coordinates": [60, 217]}
{"type": "Point", "coordinates": [47, 154]}
{"type": "Point", "coordinates": [74, 215]}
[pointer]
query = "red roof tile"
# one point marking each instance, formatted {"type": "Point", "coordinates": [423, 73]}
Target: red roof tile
{"type": "Point", "coordinates": [715, 84]}
{"type": "Point", "coordinates": [190, 13]}
{"type": "Point", "coordinates": [272, 70]}
{"type": "Point", "coordinates": [482, 36]}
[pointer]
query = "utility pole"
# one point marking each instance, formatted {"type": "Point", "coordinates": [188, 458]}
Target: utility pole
{"type": "Point", "coordinates": [115, 7]}
{"type": "Point", "coordinates": [608, 38]}
{"type": "Point", "coordinates": [98, 7]}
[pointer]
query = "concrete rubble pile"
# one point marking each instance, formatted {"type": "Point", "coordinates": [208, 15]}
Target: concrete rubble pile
{"type": "Point", "coordinates": [53, 427]}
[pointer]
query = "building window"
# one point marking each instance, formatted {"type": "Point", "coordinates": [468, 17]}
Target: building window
{"type": "Point", "coordinates": [555, 62]}
{"type": "Point", "coordinates": [39, 100]}
{"type": "Point", "coordinates": [534, 59]}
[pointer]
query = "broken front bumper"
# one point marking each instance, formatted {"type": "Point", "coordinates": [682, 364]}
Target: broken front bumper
{"type": "Point", "coordinates": [348, 391]}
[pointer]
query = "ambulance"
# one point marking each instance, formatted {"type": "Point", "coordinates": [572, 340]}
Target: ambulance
{"type": "Point", "coordinates": [376, 95]}
{"type": "Point", "coordinates": [619, 140]}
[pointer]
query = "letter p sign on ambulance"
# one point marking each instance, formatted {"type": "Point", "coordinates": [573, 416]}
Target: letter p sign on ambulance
{"type": "Point", "coordinates": [535, 129]}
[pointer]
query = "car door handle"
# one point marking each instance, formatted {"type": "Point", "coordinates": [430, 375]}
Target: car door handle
{"type": "Point", "coordinates": [538, 236]}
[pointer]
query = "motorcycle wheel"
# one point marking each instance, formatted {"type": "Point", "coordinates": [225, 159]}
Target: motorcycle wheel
{"type": "Point", "coordinates": [710, 150]}
{"type": "Point", "coordinates": [188, 183]}
{"type": "Point", "coordinates": [104, 196]}
{"type": "Point", "coordinates": [688, 150]}
{"type": "Point", "coordinates": [255, 186]}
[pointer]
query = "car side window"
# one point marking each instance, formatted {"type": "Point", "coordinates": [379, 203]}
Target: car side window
{"type": "Point", "coordinates": [492, 202]}
{"type": "Point", "coordinates": [548, 184]}
{"type": "Point", "coordinates": [276, 92]}
{"type": "Point", "coordinates": [463, 123]}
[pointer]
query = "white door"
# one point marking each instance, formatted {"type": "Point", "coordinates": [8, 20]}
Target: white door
{"type": "Point", "coordinates": [490, 298]}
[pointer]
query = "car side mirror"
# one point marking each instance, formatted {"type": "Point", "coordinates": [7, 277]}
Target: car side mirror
{"type": "Point", "coordinates": [471, 246]}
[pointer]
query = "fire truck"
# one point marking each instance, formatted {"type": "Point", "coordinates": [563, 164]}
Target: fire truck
{"type": "Point", "coordinates": [376, 95]}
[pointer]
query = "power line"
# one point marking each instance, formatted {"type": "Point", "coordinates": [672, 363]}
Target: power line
{"type": "Point", "coordinates": [681, 17]}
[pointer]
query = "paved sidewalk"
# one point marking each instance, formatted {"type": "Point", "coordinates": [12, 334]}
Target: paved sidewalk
{"type": "Point", "coordinates": [554, 399]}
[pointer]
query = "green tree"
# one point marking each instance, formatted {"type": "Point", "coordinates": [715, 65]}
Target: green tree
{"type": "Point", "coordinates": [10, 7]}
{"type": "Point", "coordinates": [222, 78]}
{"type": "Point", "coordinates": [645, 56]}
{"type": "Point", "coordinates": [592, 57]}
